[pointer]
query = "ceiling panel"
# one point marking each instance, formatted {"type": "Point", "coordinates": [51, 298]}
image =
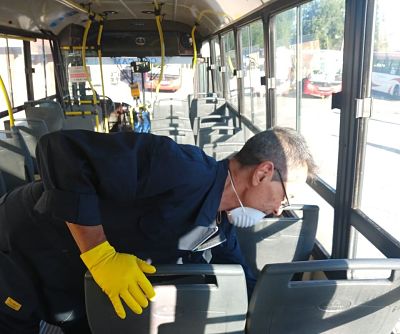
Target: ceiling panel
{"type": "Point", "coordinates": [54, 15]}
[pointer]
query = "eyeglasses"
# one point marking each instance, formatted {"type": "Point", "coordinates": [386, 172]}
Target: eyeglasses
{"type": "Point", "coordinates": [283, 205]}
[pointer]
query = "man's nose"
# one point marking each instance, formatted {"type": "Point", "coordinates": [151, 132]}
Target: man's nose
{"type": "Point", "coordinates": [278, 211]}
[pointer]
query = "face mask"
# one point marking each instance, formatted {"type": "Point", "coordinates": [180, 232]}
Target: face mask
{"type": "Point", "coordinates": [243, 216]}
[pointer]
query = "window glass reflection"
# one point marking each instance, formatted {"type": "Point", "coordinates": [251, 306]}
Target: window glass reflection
{"type": "Point", "coordinates": [4, 71]}
{"type": "Point", "coordinates": [49, 63]}
{"type": "Point", "coordinates": [38, 66]}
{"type": "Point", "coordinates": [381, 177]}
{"type": "Point", "coordinates": [217, 63]}
{"type": "Point", "coordinates": [320, 58]}
{"type": "Point", "coordinates": [253, 59]}
{"type": "Point", "coordinates": [285, 67]}
{"type": "Point", "coordinates": [230, 66]}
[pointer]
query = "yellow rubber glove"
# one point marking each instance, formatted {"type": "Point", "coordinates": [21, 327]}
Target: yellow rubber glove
{"type": "Point", "coordinates": [120, 276]}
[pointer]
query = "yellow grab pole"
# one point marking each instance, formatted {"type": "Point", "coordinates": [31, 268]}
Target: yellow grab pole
{"type": "Point", "coordinates": [77, 113]}
{"type": "Point", "coordinates": [99, 55]}
{"type": "Point", "coordinates": [160, 33]}
{"type": "Point", "coordinates": [194, 47]}
{"type": "Point", "coordinates": [85, 35]}
{"type": "Point", "coordinates": [9, 107]}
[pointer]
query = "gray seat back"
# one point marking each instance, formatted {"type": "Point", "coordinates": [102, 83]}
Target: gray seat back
{"type": "Point", "coordinates": [179, 135]}
{"type": "Point", "coordinates": [170, 107]}
{"type": "Point", "coordinates": [174, 121]}
{"type": "Point", "coordinates": [16, 163]}
{"type": "Point", "coordinates": [279, 305]}
{"type": "Point", "coordinates": [281, 239]}
{"type": "Point", "coordinates": [86, 122]}
{"type": "Point", "coordinates": [31, 130]}
{"type": "Point", "coordinates": [49, 111]}
{"type": "Point", "coordinates": [203, 106]}
{"type": "Point", "coordinates": [222, 150]}
{"type": "Point", "coordinates": [190, 298]}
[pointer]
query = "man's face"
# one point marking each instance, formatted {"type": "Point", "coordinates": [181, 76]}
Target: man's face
{"type": "Point", "coordinates": [269, 195]}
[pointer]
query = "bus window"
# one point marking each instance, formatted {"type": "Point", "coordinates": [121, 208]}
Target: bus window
{"type": "Point", "coordinates": [38, 65]}
{"type": "Point", "coordinates": [312, 66]}
{"type": "Point", "coordinates": [322, 72]}
{"type": "Point", "coordinates": [382, 153]}
{"type": "Point", "coordinates": [217, 77]}
{"type": "Point", "coordinates": [386, 74]}
{"type": "Point", "coordinates": [118, 75]}
{"type": "Point", "coordinates": [203, 75]}
{"type": "Point", "coordinates": [230, 65]}
{"type": "Point", "coordinates": [49, 69]}
{"type": "Point", "coordinates": [285, 68]}
{"type": "Point", "coordinates": [12, 70]}
{"type": "Point", "coordinates": [171, 81]}
{"type": "Point", "coordinates": [4, 70]}
{"type": "Point", "coordinates": [252, 54]}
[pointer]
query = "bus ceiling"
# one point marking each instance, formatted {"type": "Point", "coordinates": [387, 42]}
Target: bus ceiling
{"type": "Point", "coordinates": [122, 38]}
{"type": "Point", "coordinates": [130, 15]}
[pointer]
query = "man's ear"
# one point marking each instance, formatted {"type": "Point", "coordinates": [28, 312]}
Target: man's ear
{"type": "Point", "coordinates": [263, 170]}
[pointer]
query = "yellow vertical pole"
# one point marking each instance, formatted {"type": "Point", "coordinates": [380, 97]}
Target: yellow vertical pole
{"type": "Point", "coordinates": [85, 35]}
{"type": "Point", "coordinates": [99, 54]}
{"type": "Point", "coordinates": [9, 107]}
{"type": "Point", "coordinates": [194, 46]}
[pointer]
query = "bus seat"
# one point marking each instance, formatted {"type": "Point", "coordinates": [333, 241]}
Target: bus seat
{"type": "Point", "coordinates": [222, 150]}
{"type": "Point", "coordinates": [49, 111]}
{"type": "Point", "coordinates": [85, 122]}
{"type": "Point", "coordinates": [174, 121]}
{"type": "Point", "coordinates": [179, 135]}
{"type": "Point", "coordinates": [94, 109]}
{"type": "Point", "coordinates": [280, 239]}
{"type": "Point", "coordinates": [31, 131]}
{"type": "Point", "coordinates": [204, 106]}
{"type": "Point", "coordinates": [3, 189]}
{"type": "Point", "coordinates": [15, 163]}
{"type": "Point", "coordinates": [215, 133]}
{"type": "Point", "coordinates": [329, 306]}
{"type": "Point", "coordinates": [170, 107]}
{"type": "Point", "coordinates": [210, 121]}
{"type": "Point", "coordinates": [190, 298]}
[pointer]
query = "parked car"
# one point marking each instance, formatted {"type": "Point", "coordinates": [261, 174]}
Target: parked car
{"type": "Point", "coordinates": [320, 88]}
{"type": "Point", "coordinates": [172, 79]}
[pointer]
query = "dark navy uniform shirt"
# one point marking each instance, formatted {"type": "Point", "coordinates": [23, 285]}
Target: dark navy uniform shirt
{"type": "Point", "coordinates": [147, 192]}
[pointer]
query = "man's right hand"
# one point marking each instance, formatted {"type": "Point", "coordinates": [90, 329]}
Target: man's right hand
{"type": "Point", "coordinates": [120, 276]}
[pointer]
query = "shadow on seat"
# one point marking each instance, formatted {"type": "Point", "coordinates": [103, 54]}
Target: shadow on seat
{"type": "Point", "coordinates": [281, 239]}
{"type": "Point", "coordinates": [357, 306]}
{"type": "Point", "coordinates": [190, 298]}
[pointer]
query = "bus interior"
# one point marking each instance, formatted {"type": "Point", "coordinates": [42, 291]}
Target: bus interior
{"type": "Point", "coordinates": [213, 74]}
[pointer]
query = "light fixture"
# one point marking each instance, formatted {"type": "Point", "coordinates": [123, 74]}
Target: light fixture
{"type": "Point", "coordinates": [109, 12]}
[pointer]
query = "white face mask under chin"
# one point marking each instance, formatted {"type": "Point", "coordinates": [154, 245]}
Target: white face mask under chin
{"type": "Point", "coordinates": [243, 216]}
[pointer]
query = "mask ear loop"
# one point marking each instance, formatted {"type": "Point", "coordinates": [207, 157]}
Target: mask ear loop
{"type": "Point", "coordinates": [234, 190]}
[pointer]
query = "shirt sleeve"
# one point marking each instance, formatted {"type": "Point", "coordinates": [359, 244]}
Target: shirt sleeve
{"type": "Point", "coordinates": [80, 167]}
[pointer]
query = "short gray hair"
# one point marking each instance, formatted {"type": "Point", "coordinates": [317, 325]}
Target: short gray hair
{"type": "Point", "coordinates": [285, 147]}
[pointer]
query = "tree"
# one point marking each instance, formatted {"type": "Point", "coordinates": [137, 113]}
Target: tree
{"type": "Point", "coordinates": [380, 37]}
{"type": "Point", "coordinates": [323, 20]}
{"type": "Point", "coordinates": [285, 28]}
